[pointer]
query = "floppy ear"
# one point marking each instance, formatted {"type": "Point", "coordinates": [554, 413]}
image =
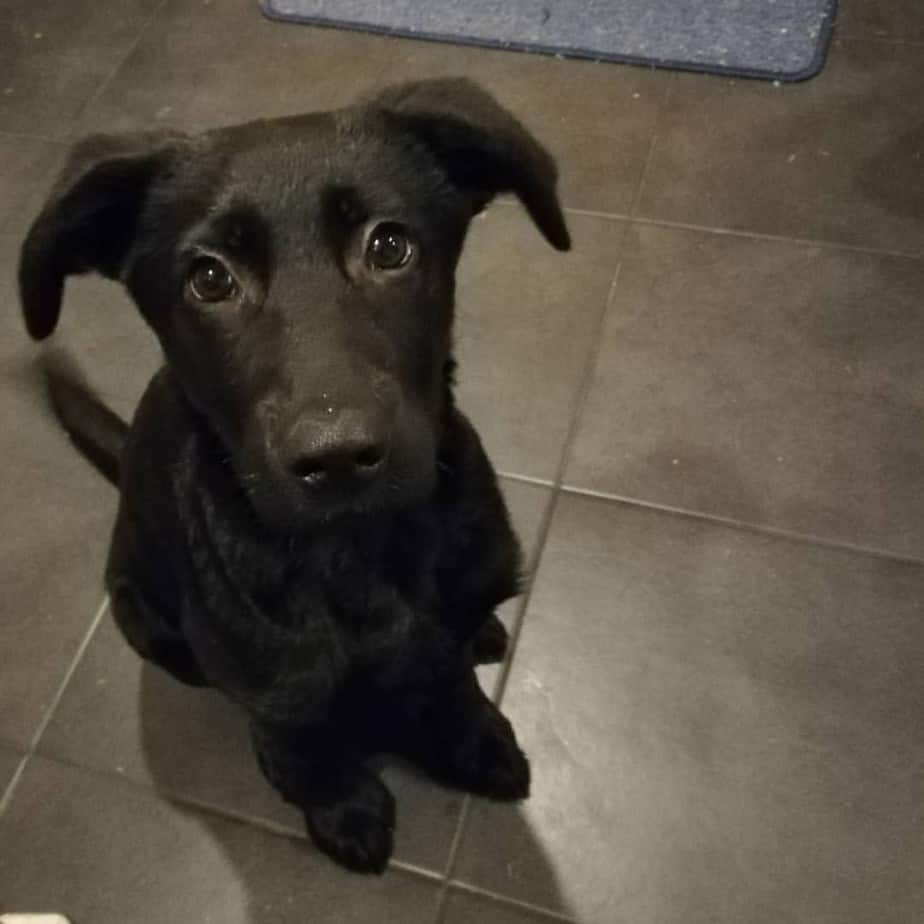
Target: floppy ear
{"type": "Point", "coordinates": [483, 147]}
{"type": "Point", "coordinates": [89, 221]}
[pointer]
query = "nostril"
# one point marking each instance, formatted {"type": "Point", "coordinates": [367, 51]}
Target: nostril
{"type": "Point", "coordinates": [311, 471]}
{"type": "Point", "coordinates": [369, 459]}
{"type": "Point", "coordinates": [341, 466]}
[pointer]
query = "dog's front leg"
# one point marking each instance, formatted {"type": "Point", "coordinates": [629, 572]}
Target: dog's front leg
{"type": "Point", "coordinates": [474, 745]}
{"type": "Point", "coordinates": [348, 810]}
{"type": "Point", "coordinates": [480, 559]}
{"type": "Point", "coordinates": [151, 636]}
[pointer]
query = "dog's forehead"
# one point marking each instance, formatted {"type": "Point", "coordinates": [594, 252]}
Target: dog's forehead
{"type": "Point", "coordinates": [279, 163]}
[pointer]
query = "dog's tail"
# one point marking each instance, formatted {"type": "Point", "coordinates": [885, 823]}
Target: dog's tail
{"type": "Point", "coordinates": [98, 432]}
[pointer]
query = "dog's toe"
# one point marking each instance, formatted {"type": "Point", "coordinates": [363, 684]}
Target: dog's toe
{"type": "Point", "coordinates": [352, 837]}
{"type": "Point", "coordinates": [490, 642]}
{"type": "Point", "coordinates": [491, 763]}
{"type": "Point", "coordinates": [358, 831]}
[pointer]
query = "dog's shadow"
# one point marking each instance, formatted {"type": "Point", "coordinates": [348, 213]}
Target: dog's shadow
{"type": "Point", "coordinates": [197, 750]}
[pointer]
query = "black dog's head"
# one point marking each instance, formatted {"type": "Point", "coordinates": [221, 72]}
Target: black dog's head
{"type": "Point", "coordinates": [299, 275]}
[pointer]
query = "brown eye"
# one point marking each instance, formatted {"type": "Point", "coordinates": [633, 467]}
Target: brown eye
{"type": "Point", "coordinates": [211, 281]}
{"type": "Point", "coordinates": [388, 247]}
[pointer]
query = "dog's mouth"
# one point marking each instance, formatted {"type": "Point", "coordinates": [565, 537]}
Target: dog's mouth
{"type": "Point", "coordinates": [285, 505]}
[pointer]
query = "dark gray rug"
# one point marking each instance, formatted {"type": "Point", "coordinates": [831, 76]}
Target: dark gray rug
{"type": "Point", "coordinates": [775, 39]}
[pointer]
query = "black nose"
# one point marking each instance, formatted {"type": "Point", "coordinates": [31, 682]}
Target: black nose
{"type": "Point", "coordinates": [343, 455]}
{"type": "Point", "coordinates": [340, 464]}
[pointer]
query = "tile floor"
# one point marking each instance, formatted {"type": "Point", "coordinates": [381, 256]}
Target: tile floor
{"type": "Point", "coordinates": [710, 417]}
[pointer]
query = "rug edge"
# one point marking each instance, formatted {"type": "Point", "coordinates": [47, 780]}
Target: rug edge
{"type": "Point", "coordinates": [814, 66]}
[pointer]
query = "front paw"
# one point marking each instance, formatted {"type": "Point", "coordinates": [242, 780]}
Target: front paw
{"type": "Point", "coordinates": [357, 830]}
{"type": "Point", "coordinates": [488, 761]}
{"type": "Point", "coordinates": [489, 645]}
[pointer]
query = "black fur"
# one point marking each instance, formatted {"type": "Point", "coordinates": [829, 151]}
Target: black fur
{"type": "Point", "coordinates": [307, 522]}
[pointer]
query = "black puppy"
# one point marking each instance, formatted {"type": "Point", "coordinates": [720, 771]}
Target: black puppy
{"type": "Point", "coordinates": [307, 522]}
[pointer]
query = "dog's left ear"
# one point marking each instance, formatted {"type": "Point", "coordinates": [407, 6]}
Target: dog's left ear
{"type": "Point", "coordinates": [89, 221]}
{"type": "Point", "coordinates": [485, 150]}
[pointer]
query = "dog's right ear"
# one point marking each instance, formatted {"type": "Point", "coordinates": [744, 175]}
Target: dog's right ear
{"type": "Point", "coordinates": [89, 222]}
{"type": "Point", "coordinates": [484, 149]}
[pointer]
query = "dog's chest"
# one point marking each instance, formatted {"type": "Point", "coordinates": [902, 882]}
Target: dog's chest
{"type": "Point", "coordinates": [295, 625]}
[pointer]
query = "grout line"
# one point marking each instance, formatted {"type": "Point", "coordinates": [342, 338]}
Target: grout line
{"type": "Point", "coordinates": [457, 836]}
{"type": "Point", "coordinates": [878, 39]}
{"type": "Point", "coordinates": [107, 80]}
{"type": "Point", "coordinates": [421, 872]}
{"type": "Point", "coordinates": [546, 525]}
{"type": "Point", "coordinates": [48, 139]}
{"type": "Point", "coordinates": [752, 235]}
{"type": "Point", "coordinates": [874, 39]}
{"type": "Point", "coordinates": [7, 796]}
{"type": "Point", "coordinates": [264, 825]}
{"type": "Point", "coordinates": [616, 217]}
{"type": "Point", "coordinates": [526, 479]}
{"type": "Point", "coordinates": [640, 188]}
{"type": "Point", "coordinates": [49, 713]}
{"type": "Point", "coordinates": [652, 142]}
{"type": "Point", "coordinates": [590, 368]}
{"type": "Point", "coordinates": [442, 905]}
{"type": "Point", "coordinates": [453, 858]}
{"type": "Point", "coordinates": [775, 532]}
{"type": "Point", "coordinates": [883, 40]}
{"type": "Point", "coordinates": [629, 218]}
{"type": "Point", "coordinates": [498, 898]}
{"type": "Point", "coordinates": [549, 512]}
{"type": "Point", "coordinates": [530, 568]}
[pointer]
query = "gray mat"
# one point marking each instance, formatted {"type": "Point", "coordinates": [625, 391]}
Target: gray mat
{"type": "Point", "coordinates": [775, 39]}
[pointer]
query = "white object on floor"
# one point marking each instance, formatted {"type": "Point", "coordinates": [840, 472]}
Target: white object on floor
{"type": "Point", "coordinates": [33, 919]}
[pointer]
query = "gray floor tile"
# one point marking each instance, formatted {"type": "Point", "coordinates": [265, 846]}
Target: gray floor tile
{"type": "Point", "coordinates": [764, 381]}
{"type": "Point", "coordinates": [128, 718]}
{"type": "Point", "coordinates": [9, 762]}
{"type": "Point", "coordinates": [24, 164]}
{"type": "Point", "coordinates": [896, 20]}
{"type": "Point", "coordinates": [99, 327]}
{"type": "Point", "coordinates": [56, 520]}
{"type": "Point", "coordinates": [108, 852]}
{"type": "Point", "coordinates": [723, 727]}
{"type": "Point", "coordinates": [598, 119]}
{"type": "Point", "coordinates": [124, 717]}
{"type": "Point", "coordinates": [466, 908]}
{"type": "Point", "coordinates": [528, 505]}
{"type": "Point", "coordinates": [837, 158]}
{"type": "Point", "coordinates": [30, 195]}
{"type": "Point", "coordinates": [52, 590]}
{"type": "Point", "coordinates": [54, 56]}
{"type": "Point", "coordinates": [14, 341]}
{"type": "Point", "coordinates": [526, 325]}
{"type": "Point", "coordinates": [30, 433]}
{"type": "Point", "coordinates": [56, 513]}
{"type": "Point", "coordinates": [180, 75]}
